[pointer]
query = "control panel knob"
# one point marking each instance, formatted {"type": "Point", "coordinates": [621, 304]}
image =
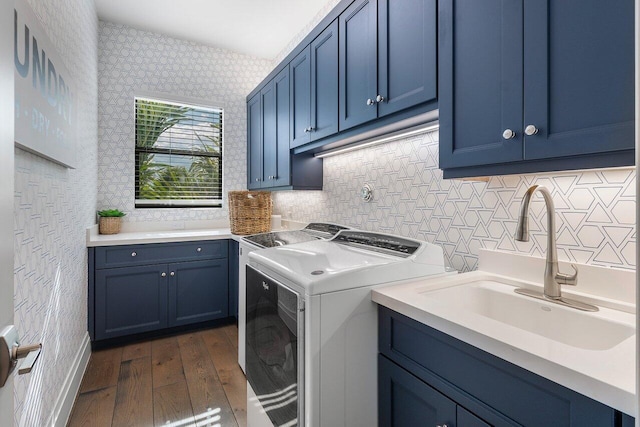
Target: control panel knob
{"type": "Point", "coordinates": [508, 134]}
{"type": "Point", "coordinates": [531, 130]}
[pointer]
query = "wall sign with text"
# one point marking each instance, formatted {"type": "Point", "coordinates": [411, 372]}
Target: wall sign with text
{"type": "Point", "coordinates": [45, 103]}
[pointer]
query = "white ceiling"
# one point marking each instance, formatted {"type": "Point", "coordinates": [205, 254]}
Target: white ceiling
{"type": "Point", "coordinates": [259, 28]}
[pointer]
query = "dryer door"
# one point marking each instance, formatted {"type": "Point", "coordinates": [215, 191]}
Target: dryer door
{"type": "Point", "coordinates": [274, 348]}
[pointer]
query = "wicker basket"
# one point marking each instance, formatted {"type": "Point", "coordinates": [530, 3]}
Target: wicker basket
{"type": "Point", "coordinates": [109, 224]}
{"type": "Point", "coordinates": [250, 212]}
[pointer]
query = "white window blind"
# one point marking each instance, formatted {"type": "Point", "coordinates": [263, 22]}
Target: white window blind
{"type": "Point", "coordinates": [178, 155]}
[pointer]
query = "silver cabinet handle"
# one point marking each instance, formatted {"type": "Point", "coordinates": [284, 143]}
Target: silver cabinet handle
{"type": "Point", "coordinates": [173, 273]}
{"type": "Point", "coordinates": [257, 179]}
{"type": "Point", "coordinates": [164, 274]}
{"type": "Point", "coordinates": [133, 254]}
{"type": "Point", "coordinates": [309, 129]}
{"type": "Point", "coordinates": [370, 101]}
{"type": "Point", "coordinates": [379, 98]}
{"type": "Point", "coordinates": [199, 250]}
{"type": "Point", "coordinates": [508, 134]}
{"type": "Point", "coordinates": [530, 130]}
{"type": "Point", "coordinates": [443, 425]}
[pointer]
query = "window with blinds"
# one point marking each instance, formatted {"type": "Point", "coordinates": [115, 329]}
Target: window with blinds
{"type": "Point", "coordinates": [178, 155]}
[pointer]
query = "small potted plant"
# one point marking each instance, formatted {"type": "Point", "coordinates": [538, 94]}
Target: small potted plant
{"type": "Point", "coordinates": [110, 221]}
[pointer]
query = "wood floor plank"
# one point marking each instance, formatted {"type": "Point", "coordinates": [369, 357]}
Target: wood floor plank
{"type": "Point", "coordinates": [93, 408]}
{"type": "Point", "coordinates": [172, 404]}
{"type": "Point", "coordinates": [232, 334]}
{"type": "Point", "coordinates": [134, 400]}
{"type": "Point", "coordinates": [102, 371]}
{"type": "Point", "coordinates": [136, 351]}
{"type": "Point", "coordinates": [225, 360]}
{"type": "Point", "coordinates": [206, 392]}
{"type": "Point", "coordinates": [167, 362]}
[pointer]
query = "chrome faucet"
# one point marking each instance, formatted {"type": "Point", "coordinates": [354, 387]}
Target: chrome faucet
{"type": "Point", "coordinates": [553, 279]}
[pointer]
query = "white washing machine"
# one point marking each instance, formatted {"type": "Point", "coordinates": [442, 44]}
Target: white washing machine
{"type": "Point", "coordinates": [311, 327]}
{"type": "Point", "coordinates": [313, 231]}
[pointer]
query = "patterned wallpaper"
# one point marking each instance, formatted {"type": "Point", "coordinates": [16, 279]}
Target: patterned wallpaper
{"type": "Point", "coordinates": [131, 61]}
{"type": "Point", "coordinates": [53, 206]}
{"type": "Point", "coordinates": [595, 210]}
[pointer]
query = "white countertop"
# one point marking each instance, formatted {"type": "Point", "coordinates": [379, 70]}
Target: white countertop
{"type": "Point", "coordinates": [134, 234]}
{"type": "Point", "coordinates": [607, 376]}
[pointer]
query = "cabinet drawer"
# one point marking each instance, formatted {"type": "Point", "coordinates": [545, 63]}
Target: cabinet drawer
{"type": "Point", "coordinates": [438, 358]}
{"type": "Point", "coordinates": [123, 256]}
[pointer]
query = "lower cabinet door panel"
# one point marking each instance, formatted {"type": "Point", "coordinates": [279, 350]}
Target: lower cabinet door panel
{"type": "Point", "coordinates": [198, 291]}
{"type": "Point", "coordinates": [130, 300]}
{"type": "Point", "coordinates": [405, 401]}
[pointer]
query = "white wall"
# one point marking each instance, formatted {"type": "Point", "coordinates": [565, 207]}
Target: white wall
{"type": "Point", "coordinates": [595, 217]}
{"type": "Point", "coordinates": [53, 206]}
{"type": "Point", "coordinates": [133, 61]}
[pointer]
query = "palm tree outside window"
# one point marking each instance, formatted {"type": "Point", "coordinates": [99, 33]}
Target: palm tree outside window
{"type": "Point", "coordinates": [178, 155]}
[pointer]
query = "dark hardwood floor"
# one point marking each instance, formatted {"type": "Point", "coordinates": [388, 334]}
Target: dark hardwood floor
{"type": "Point", "coordinates": [189, 380]}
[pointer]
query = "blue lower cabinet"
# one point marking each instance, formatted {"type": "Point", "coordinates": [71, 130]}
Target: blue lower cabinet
{"type": "Point", "coordinates": [407, 401]}
{"type": "Point", "coordinates": [198, 291]}
{"type": "Point", "coordinates": [423, 368]}
{"type": "Point", "coordinates": [130, 300]}
{"type": "Point", "coordinates": [156, 294]}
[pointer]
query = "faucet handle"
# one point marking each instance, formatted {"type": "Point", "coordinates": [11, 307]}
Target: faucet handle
{"type": "Point", "coordinates": [568, 279]}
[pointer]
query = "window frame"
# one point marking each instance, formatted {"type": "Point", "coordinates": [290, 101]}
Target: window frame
{"type": "Point", "coordinates": [178, 203]}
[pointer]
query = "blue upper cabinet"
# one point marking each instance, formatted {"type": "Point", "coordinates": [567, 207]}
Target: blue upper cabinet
{"type": "Point", "coordinates": [480, 82]}
{"type": "Point", "coordinates": [324, 83]}
{"type": "Point", "coordinates": [358, 64]}
{"type": "Point", "coordinates": [578, 77]}
{"type": "Point", "coordinates": [407, 54]}
{"type": "Point", "coordinates": [535, 85]}
{"type": "Point", "coordinates": [300, 95]}
{"type": "Point", "coordinates": [254, 139]}
{"type": "Point", "coordinates": [269, 134]}
{"type": "Point", "coordinates": [281, 174]}
{"type": "Point", "coordinates": [275, 132]}
{"type": "Point", "coordinates": [388, 57]}
{"type": "Point", "coordinates": [270, 162]}
{"type": "Point", "coordinates": [370, 66]}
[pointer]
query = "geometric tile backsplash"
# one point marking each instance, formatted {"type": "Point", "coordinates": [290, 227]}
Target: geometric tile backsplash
{"type": "Point", "coordinates": [132, 62]}
{"type": "Point", "coordinates": [595, 209]}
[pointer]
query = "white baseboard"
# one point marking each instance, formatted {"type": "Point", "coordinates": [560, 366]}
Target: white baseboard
{"type": "Point", "coordinates": [67, 396]}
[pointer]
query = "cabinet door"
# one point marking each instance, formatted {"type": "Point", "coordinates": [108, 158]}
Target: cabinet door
{"type": "Point", "coordinates": [407, 57]}
{"type": "Point", "coordinates": [130, 300]}
{"type": "Point", "coordinates": [300, 77]}
{"type": "Point", "coordinates": [467, 419]}
{"type": "Point", "coordinates": [198, 291]}
{"type": "Point", "coordinates": [406, 401]}
{"type": "Point", "coordinates": [324, 83]}
{"type": "Point", "coordinates": [254, 138]}
{"type": "Point", "coordinates": [480, 81]}
{"type": "Point", "coordinates": [282, 173]}
{"type": "Point", "coordinates": [579, 77]}
{"type": "Point", "coordinates": [358, 63]}
{"type": "Point", "coordinates": [269, 134]}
